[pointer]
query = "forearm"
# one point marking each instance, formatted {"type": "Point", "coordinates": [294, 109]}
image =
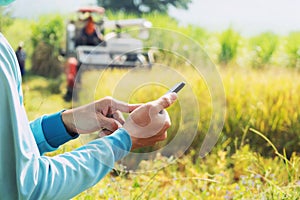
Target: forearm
{"type": "Point", "coordinates": [66, 175]}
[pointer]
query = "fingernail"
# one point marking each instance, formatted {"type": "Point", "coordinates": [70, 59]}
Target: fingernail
{"type": "Point", "coordinates": [173, 95]}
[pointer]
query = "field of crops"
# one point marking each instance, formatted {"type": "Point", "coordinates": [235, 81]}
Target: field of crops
{"type": "Point", "coordinates": [256, 154]}
{"type": "Point", "coordinates": [243, 164]}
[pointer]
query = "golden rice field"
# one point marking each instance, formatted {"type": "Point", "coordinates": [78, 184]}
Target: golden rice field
{"type": "Point", "coordinates": [253, 158]}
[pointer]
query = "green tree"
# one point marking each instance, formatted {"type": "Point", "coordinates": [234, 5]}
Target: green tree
{"type": "Point", "coordinates": [143, 6]}
{"type": "Point", "coordinates": [5, 19]}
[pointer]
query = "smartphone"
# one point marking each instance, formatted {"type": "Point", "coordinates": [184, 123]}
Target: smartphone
{"type": "Point", "coordinates": [176, 88]}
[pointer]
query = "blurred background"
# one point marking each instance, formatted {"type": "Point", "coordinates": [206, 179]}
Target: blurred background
{"type": "Point", "coordinates": [254, 45]}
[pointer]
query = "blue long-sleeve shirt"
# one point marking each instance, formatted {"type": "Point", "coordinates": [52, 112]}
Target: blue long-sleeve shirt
{"type": "Point", "coordinates": [54, 132]}
{"type": "Point", "coordinates": [24, 172]}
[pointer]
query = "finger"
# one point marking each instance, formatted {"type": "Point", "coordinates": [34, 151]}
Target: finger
{"type": "Point", "coordinates": [156, 113]}
{"type": "Point", "coordinates": [132, 107]}
{"type": "Point", "coordinates": [165, 101]}
{"type": "Point", "coordinates": [101, 134]}
{"type": "Point", "coordinates": [156, 138]}
{"type": "Point", "coordinates": [119, 117]}
{"type": "Point", "coordinates": [104, 132]}
{"type": "Point", "coordinates": [124, 107]}
{"type": "Point", "coordinates": [163, 131]}
{"type": "Point", "coordinates": [167, 120]}
{"type": "Point", "coordinates": [105, 110]}
{"type": "Point", "coordinates": [162, 136]}
{"type": "Point", "coordinates": [109, 123]}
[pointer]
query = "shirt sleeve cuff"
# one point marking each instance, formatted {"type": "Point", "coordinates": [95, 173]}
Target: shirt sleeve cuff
{"type": "Point", "coordinates": [55, 131]}
{"type": "Point", "coordinates": [37, 130]}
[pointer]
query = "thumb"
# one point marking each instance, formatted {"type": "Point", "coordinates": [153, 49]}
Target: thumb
{"type": "Point", "coordinates": [165, 101]}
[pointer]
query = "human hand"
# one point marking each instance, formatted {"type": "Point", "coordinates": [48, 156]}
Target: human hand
{"type": "Point", "coordinates": [148, 123]}
{"type": "Point", "coordinates": [102, 114]}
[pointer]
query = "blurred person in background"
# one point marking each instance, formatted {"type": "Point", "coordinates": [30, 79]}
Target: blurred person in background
{"type": "Point", "coordinates": [90, 35]}
{"type": "Point", "coordinates": [21, 57]}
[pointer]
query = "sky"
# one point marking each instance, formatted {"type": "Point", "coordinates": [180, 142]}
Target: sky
{"type": "Point", "coordinates": [249, 17]}
{"type": "Point", "coordinates": [35, 8]}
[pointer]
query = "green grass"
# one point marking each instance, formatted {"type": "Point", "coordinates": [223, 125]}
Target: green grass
{"type": "Point", "coordinates": [244, 175]}
{"type": "Point", "coordinates": [39, 99]}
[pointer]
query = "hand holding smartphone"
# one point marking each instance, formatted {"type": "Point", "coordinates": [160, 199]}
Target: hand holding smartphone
{"type": "Point", "coordinates": [176, 88]}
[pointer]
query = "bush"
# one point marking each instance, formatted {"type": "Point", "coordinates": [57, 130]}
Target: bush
{"type": "Point", "coordinates": [263, 47]}
{"type": "Point", "coordinates": [49, 29]}
{"type": "Point", "coordinates": [47, 36]}
{"type": "Point", "coordinates": [293, 49]}
{"type": "Point", "coordinates": [229, 43]}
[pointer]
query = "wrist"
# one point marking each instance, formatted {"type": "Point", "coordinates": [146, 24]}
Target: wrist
{"type": "Point", "coordinates": [134, 140]}
{"type": "Point", "coordinates": [68, 121]}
